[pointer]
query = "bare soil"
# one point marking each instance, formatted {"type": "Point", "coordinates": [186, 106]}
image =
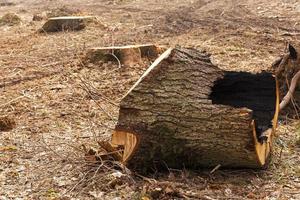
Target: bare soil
{"type": "Point", "coordinates": [62, 106]}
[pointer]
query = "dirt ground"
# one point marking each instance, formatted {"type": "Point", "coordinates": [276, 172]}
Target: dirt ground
{"type": "Point", "coordinates": [43, 88]}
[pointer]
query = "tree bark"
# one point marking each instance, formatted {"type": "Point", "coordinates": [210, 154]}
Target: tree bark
{"type": "Point", "coordinates": [176, 124]}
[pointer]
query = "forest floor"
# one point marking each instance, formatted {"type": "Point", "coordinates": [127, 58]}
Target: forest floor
{"type": "Point", "coordinates": [43, 88]}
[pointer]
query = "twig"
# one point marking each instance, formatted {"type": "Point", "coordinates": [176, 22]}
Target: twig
{"type": "Point", "coordinates": [286, 99]}
{"type": "Point", "coordinates": [8, 103]}
{"type": "Point", "coordinates": [83, 178]}
{"type": "Point", "coordinates": [215, 169]}
{"type": "Point", "coordinates": [149, 180]}
{"type": "Point", "coordinates": [119, 62]}
{"type": "Point", "coordinates": [101, 96]}
{"type": "Point", "coordinates": [89, 93]}
{"type": "Point", "coordinates": [54, 63]}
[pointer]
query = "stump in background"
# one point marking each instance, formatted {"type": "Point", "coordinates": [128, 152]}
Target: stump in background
{"type": "Point", "coordinates": [125, 55]}
{"type": "Point", "coordinates": [66, 23]}
{"type": "Point", "coordinates": [186, 112]}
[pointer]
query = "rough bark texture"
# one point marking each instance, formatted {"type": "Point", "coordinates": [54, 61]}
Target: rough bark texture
{"type": "Point", "coordinates": [170, 111]}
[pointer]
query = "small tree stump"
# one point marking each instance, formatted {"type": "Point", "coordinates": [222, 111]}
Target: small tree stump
{"type": "Point", "coordinates": [6, 124]}
{"type": "Point", "coordinates": [66, 23]}
{"type": "Point", "coordinates": [126, 55]}
{"type": "Point", "coordinates": [186, 112]}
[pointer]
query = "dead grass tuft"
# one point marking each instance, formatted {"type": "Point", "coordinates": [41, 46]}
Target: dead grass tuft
{"type": "Point", "coordinates": [6, 124]}
{"type": "Point", "coordinates": [6, 3]}
{"type": "Point", "coordinates": [37, 17]}
{"type": "Point", "coordinates": [100, 175]}
{"type": "Point", "coordinates": [10, 19]}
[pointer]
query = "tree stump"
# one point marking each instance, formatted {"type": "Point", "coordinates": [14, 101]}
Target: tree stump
{"type": "Point", "coordinates": [6, 123]}
{"type": "Point", "coordinates": [186, 112]}
{"type": "Point", "coordinates": [66, 23]}
{"type": "Point", "coordinates": [125, 55]}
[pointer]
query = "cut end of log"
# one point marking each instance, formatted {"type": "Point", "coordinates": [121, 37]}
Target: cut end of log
{"type": "Point", "coordinates": [124, 55]}
{"type": "Point", "coordinates": [127, 141]}
{"type": "Point", "coordinates": [66, 23]}
{"type": "Point", "coordinates": [186, 112]}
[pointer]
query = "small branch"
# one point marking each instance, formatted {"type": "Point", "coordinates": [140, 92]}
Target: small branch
{"type": "Point", "coordinates": [286, 99]}
{"type": "Point", "coordinates": [119, 62]}
{"type": "Point", "coordinates": [215, 169]}
{"type": "Point", "coordinates": [86, 89]}
{"type": "Point", "coordinates": [11, 101]}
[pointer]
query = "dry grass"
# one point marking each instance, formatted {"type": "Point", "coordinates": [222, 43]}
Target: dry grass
{"type": "Point", "coordinates": [63, 11]}
{"type": "Point", "coordinates": [6, 3]}
{"type": "Point", "coordinates": [63, 106]}
{"type": "Point", "coordinates": [10, 19]}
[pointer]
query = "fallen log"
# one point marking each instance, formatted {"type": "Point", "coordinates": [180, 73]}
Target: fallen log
{"type": "Point", "coordinates": [126, 55]}
{"type": "Point", "coordinates": [66, 23]}
{"type": "Point", "coordinates": [186, 112]}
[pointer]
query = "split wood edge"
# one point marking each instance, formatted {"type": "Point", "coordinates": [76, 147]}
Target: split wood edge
{"type": "Point", "coordinates": [263, 149]}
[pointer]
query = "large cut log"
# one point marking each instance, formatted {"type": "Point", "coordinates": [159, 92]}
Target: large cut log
{"type": "Point", "coordinates": [186, 112]}
{"type": "Point", "coordinates": [66, 23]}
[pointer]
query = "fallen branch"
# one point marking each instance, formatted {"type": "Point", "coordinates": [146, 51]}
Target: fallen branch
{"type": "Point", "coordinates": [11, 101]}
{"type": "Point", "coordinates": [286, 99]}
